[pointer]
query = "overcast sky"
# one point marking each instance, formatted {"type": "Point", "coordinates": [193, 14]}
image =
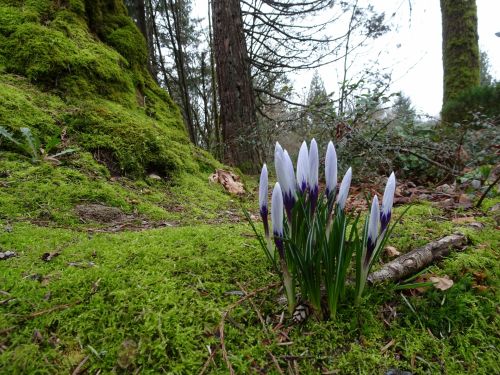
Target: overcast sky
{"type": "Point", "coordinates": [413, 49]}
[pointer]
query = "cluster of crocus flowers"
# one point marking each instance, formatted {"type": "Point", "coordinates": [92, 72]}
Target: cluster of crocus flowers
{"type": "Point", "coordinates": [309, 229]}
{"type": "Point", "coordinates": [305, 181]}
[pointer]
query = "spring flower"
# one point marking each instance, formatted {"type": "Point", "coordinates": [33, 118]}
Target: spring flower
{"type": "Point", "coordinates": [263, 186]}
{"type": "Point", "coordinates": [387, 201]}
{"type": "Point", "coordinates": [330, 169]}
{"type": "Point", "coordinates": [344, 189]}
{"type": "Point", "coordinates": [313, 173]}
{"type": "Point", "coordinates": [277, 218]}
{"type": "Point", "coordinates": [303, 167]}
{"type": "Point", "coordinates": [290, 173]}
{"type": "Point", "coordinates": [372, 230]}
{"type": "Point", "coordinates": [286, 178]}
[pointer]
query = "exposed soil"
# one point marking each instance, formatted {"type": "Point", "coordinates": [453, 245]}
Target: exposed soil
{"type": "Point", "coordinates": [100, 213]}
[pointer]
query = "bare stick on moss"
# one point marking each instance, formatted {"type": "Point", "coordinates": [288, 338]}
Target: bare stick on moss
{"type": "Point", "coordinates": [414, 261]}
{"type": "Point", "coordinates": [480, 201]}
{"type": "Point", "coordinates": [225, 315]}
{"type": "Point", "coordinates": [209, 359]}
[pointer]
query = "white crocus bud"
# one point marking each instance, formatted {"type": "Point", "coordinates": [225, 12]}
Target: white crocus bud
{"type": "Point", "coordinates": [387, 201]}
{"type": "Point", "coordinates": [330, 168]}
{"type": "Point", "coordinates": [303, 167]}
{"type": "Point", "coordinates": [313, 167]}
{"type": "Point", "coordinates": [277, 210]}
{"type": "Point", "coordinates": [344, 189]}
{"type": "Point", "coordinates": [372, 230]}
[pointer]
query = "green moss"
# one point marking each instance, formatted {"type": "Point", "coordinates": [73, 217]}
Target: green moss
{"type": "Point", "coordinates": [98, 90]}
{"type": "Point", "coordinates": [129, 43]}
{"type": "Point", "coordinates": [163, 292]}
{"type": "Point", "coordinates": [48, 194]}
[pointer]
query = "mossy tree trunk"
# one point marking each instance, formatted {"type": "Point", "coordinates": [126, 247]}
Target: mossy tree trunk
{"type": "Point", "coordinates": [460, 47]}
{"type": "Point", "coordinates": [237, 103]}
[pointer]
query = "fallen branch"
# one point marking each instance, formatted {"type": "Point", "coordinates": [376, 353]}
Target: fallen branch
{"type": "Point", "coordinates": [78, 369]}
{"type": "Point", "coordinates": [212, 353]}
{"type": "Point", "coordinates": [52, 309]}
{"type": "Point", "coordinates": [414, 261]}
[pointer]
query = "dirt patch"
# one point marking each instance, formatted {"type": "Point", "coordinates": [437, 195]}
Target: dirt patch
{"type": "Point", "coordinates": [100, 213]}
{"type": "Point", "coordinates": [107, 158]}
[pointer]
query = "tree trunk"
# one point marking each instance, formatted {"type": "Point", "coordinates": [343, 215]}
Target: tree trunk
{"type": "Point", "coordinates": [237, 103]}
{"type": "Point", "coordinates": [460, 47]}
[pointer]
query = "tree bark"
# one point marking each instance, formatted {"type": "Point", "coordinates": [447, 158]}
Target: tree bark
{"type": "Point", "coordinates": [414, 261]}
{"type": "Point", "coordinates": [237, 103]}
{"type": "Point", "coordinates": [461, 69]}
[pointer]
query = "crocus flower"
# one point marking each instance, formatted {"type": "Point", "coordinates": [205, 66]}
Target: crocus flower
{"type": "Point", "coordinates": [279, 165]}
{"type": "Point", "coordinates": [387, 201]}
{"type": "Point", "coordinates": [372, 230]}
{"type": "Point", "coordinates": [290, 172]}
{"type": "Point", "coordinates": [344, 189]}
{"type": "Point", "coordinates": [330, 169]}
{"type": "Point", "coordinates": [313, 173]}
{"type": "Point", "coordinates": [277, 218]}
{"type": "Point", "coordinates": [303, 167]}
{"type": "Point", "coordinates": [263, 186]}
{"type": "Point", "coordinates": [286, 178]}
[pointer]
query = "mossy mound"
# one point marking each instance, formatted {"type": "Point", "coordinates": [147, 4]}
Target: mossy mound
{"type": "Point", "coordinates": [80, 66]}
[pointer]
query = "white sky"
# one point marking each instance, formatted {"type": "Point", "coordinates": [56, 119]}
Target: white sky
{"type": "Point", "coordinates": [413, 49]}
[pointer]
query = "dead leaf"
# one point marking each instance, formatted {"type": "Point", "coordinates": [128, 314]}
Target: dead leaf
{"type": "Point", "coordinates": [391, 251]}
{"type": "Point", "coordinates": [461, 220]}
{"type": "Point", "coordinates": [441, 283]}
{"type": "Point", "coordinates": [464, 201]}
{"type": "Point", "coordinates": [228, 180]}
{"type": "Point", "coordinates": [481, 288]}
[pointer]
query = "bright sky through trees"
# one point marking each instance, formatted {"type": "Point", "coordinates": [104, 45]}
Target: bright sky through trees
{"type": "Point", "coordinates": [412, 49]}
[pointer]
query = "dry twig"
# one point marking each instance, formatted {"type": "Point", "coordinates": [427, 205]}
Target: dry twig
{"type": "Point", "coordinates": [225, 314]}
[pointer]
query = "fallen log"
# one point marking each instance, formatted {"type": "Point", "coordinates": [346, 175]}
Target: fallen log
{"type": "Point", "coordinates": [414, 261]}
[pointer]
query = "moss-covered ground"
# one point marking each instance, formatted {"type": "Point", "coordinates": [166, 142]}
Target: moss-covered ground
{"type": "Point", "coordinates": [118, 296]}
{"type": "Point", "coordinates": [151, 301]}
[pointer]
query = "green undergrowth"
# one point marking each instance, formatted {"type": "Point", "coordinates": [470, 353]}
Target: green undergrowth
{"type": "Point", "coordinates": [151, 302]}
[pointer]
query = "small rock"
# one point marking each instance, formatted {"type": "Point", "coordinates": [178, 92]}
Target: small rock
{"type": "Point", "coordinates": [7, 255]}
{"type": "Point", "coordinates": [425, 197]}
{"type": "Point", "coordinates": [154, 176]}
{"type": "Point", "coordinates": [7, 228]}
{"type": "Point", "coordinates": [495, 208]}
{"type": "Point", "coordinates": [476, 184]}
{"type": "Point", "coordinates": [476, 225]}
{"type": "Point", "coordinates": [447, 189]}
{"type": "Point", "coordinates": [393, 371]}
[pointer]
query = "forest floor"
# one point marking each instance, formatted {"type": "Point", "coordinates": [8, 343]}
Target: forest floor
{"type": "Point", "coordinates": [142, 289]}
